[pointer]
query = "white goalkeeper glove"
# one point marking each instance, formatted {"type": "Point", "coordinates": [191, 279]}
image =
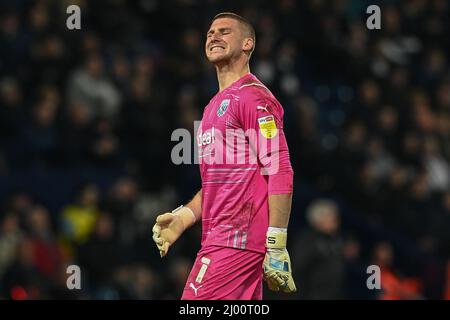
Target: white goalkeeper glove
{"type": "Point", "coordinates": [277, 263]}
{"type": "Point", "coordinates": [169, 227]}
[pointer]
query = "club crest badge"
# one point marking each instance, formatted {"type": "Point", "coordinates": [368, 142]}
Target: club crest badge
{"type": "Point", "coordinates": [223, 107]}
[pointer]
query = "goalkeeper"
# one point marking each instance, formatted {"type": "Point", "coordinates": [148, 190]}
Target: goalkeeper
{"type": "Point", "coordinates": [246, 195]}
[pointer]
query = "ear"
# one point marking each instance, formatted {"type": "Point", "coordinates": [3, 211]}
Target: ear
{"type": "Point", "coordinates": [248, 44]}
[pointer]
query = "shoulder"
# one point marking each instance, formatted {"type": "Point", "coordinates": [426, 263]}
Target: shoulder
{"type": "Point", "coordinates": [257, 98]}
{"type": "Point", "coordinates": [253, 88]}
{"type": "Point", "coordinates": [254, 91]}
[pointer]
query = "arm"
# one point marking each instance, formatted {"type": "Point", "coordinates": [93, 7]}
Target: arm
{"type": "Point", "coordinates": [171, 225]}
{"type": "Point", "coordinates": [277, 263]}
{"type": "Point", "coordinates": [279, 210]}
{"type": "Point", "coordinates": [264, 114]}
{"type": "Point", "coordinates": [196, 205]}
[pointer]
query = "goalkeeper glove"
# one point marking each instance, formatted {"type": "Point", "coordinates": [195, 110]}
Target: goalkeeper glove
{"type": "Point", "coordinates": [277, 264]}
{"type": "Point", "coordinates": [169, 227]}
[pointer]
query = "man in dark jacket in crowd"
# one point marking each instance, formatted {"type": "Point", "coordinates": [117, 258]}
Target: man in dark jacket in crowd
{"type": "Point", "coordinates": [319, 258]}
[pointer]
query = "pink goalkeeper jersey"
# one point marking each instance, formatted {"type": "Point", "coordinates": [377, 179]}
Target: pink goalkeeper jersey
{"type": "Point", "coordinates": [243, 158]}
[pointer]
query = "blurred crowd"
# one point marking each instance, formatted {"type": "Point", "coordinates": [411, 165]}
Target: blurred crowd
{"type": "Point", "coordinates": [86, 118]}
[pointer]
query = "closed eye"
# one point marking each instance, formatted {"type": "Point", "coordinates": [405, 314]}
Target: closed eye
{"type": "Point", "coordinates": [223, 31]}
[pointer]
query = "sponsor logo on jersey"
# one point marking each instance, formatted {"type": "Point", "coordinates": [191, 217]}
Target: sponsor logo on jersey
{"type": "Point", "coordinates": [262, 108]}
{"type": "Point", "coordinates": [191, 285]}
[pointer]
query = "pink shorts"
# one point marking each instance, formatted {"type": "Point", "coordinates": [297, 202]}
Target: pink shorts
{"type": "Point", "coordinates": [222, 273]}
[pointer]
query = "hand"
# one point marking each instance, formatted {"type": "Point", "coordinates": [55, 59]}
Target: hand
{"type": "Point", "coordinates": [166, 231]}
{"type": "Point", "coordinates": [278, 272]}
{"type": "Point", "coordinates": [277, 263]}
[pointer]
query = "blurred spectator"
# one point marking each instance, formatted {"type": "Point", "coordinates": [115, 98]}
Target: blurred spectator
{"type": "Point", "coordinates": [11, 109]}
{"type": "Point", "coordinates": [144, 119]}
{"type": "Point", "coordinates": [394, 285]}
{"type": "Point", "coordinates": [178, 273]}
{"type": "Point", "coordinates": [319, 258]}
{"type": "Point", "coordinates": [380, 160]}
{"type": "Point", "coordinates": [440, 225]}
{"type": "Point", "coordinates": [10, 237]}
{"type": "Point", "coordinates": [121, 201]}
{"type": "Point", "coordinates": [47, 254]}
{"type": "Point", "coordinates": [414, 215]}
{"type": "Point", "coordinates": [437, 168]}
{"type": "Point", "coordinates": [39, 141]}
{"type": "Point", "coordinates": [136, 282]}
{"type": "Point", "coordinates": [104, 150]}
{"type": "Point", "coordinates": [78, 219]}
{"type": "Point", "coordinates": [101, 254]}
{"type": "Point", "coordinates": [447, 283]}
{"type": "Point", "coordinates": [89, 86]}
{"type": "Point", "coordinates": [22, 279]}
{"type": "Point", "coordinates": [356, 276]}
{"type": "Point", "coordinates": [19, 201]}
{"type": "Point", "coordinates": [77, 134]}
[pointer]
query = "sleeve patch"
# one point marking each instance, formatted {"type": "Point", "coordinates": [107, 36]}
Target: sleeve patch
{"type": "Point", "coordinates": [268, 127]}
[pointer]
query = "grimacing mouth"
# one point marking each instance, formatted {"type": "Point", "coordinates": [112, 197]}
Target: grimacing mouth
{"type": "Point", "coordinates": [211, 47]}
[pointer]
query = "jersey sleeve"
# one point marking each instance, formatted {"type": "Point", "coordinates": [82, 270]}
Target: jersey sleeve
{"type": "Point", "coordinates": [261, 117]}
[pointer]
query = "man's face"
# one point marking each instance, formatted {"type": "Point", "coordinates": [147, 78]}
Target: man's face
{"type": "Point", "coordinates": [329, 222]}
{"type": "Point", "coordinates": [224, 40]}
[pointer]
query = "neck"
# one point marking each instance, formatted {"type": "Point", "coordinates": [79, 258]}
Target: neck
{"type": "Point", "coordinates": [229, 73]}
